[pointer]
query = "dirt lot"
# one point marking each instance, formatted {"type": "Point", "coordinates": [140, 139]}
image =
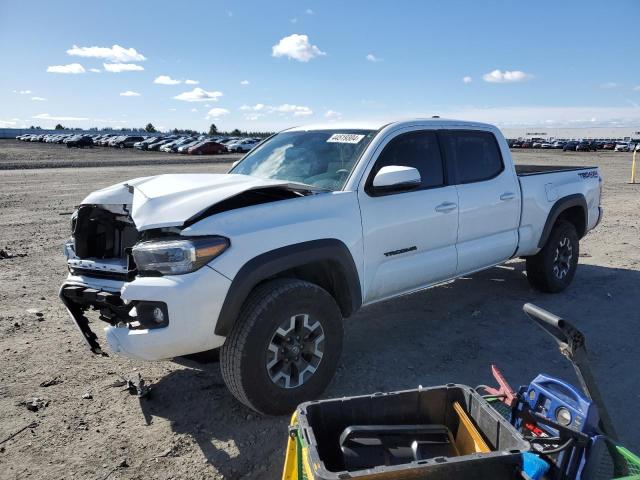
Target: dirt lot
{"type": "Point", "coordinates": [191, 427]}
{"type": "Point", "coordinates": [15, 154]}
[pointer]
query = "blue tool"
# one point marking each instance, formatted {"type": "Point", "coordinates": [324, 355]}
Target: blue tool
{"type": "Point", "coordinates": [560, 402]}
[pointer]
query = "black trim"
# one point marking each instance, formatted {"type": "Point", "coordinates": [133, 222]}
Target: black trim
{"type": "Point", "coordinates": [575, 200]}
{"type": "Point", "coordinates": [523, 170]}
{"type": "Point", "coordinates": [343, 275]}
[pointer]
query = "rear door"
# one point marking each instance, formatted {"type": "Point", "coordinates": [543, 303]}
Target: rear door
{"type": "Point", "coordinates": [409, 237]}
{"type": "Point", "coordinates": [488, 198]}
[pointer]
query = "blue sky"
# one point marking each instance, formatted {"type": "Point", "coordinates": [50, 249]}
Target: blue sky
{"type": "Point", "coordinates": [268, 65]}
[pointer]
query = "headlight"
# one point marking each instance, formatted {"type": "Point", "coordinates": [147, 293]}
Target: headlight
{"type": "Point", "coordinates": [175, 257]}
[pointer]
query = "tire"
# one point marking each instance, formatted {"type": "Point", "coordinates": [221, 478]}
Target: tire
{"type": "Point", "coordinates": [552, 269]}
{"type": "Point", "coordinates": [264, 322]}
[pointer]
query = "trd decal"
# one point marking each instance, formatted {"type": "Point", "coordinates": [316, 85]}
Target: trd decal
{"type": "Point", "coordinates": [402, 250]}
{"type": "Point", "coordinates": [591, 174]}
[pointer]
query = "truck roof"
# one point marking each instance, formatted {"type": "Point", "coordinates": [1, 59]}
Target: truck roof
{"type": "Point", "coordinates": [379, 124]}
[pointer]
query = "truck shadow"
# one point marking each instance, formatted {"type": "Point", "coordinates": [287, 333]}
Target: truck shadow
{"type": "Point", "coordinates": [451, 333]}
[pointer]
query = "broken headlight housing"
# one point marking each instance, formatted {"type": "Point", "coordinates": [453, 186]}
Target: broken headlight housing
{"type": "Point", "coordinates": [177, 256]}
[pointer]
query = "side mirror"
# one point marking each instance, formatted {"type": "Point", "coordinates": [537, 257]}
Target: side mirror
{"type": "Point", "coordinates": [394, 178]}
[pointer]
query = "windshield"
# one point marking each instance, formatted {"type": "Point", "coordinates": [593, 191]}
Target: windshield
{"type": "Point", "coordinates": [322, 158]}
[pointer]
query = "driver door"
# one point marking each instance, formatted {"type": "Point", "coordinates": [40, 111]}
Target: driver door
{"type": "Point", "coordinates": [409, 236]}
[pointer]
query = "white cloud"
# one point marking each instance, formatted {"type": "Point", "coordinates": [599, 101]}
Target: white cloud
{"type": "Point", "coordinates": [608, 85]}
{"type": "Point", "coordinates": [95, 70]}
{"type": "Point", "coordinates": [166, 80]}
{"type": "Point", "coordinates": [256, 108]}
{"type": "Point", "coordinates": [38, 99]}
{"type": "Point", "coordinates": [194, 110]}
{"type": "Point", "coordinates": [23, 92]}
{"type": "Point", "coordinates": [308, 11]}
{"type": "Point", "coordinates": [116, 53]}
{"type": "Point", "coordinates": [191, 82]}
{"type": "Point", "coordinates": [332, 114]}
{"type": "Point", "coordinates": [245, 82]}
{"type": "Point", "coordinates": [372, 58]}
{"type": "Point", "coordinates": [173, 109]}
{"type": "Point", "coordinates": [293, 20]}
{"type": "Point", "coordinates": [467, 79]}
{"type": "Point", "coordinates": [198, 95]}
{"type": "Point", "coordinates": [260, 109]}
{"type": "Point", "coordinates": [217, 112]}
{"type": "Point", "coordinates": [7, 123]}
{"type": "Point", "coordinates": [70, 68]}
{"type": "Point", "coordinates": [296, 110]}
{"type": "Point", "coordinates": [296, 47]}
{"type": "Point", "coordinates": [498, 76]}
{"type": "Point", "coordinates": [122, 67]}
{"type": "Point", "coordinates": [46, 116]}
{"type": "Point", "coordinates": [129, 93]}
{"type": "Point", "coordinates": [556, 116]}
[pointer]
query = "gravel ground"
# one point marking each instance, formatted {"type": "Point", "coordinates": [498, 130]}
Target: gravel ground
{"type": "Point", "coordinates": [15, 154]}
{"type": "Point", "coordinates": [190, 426]}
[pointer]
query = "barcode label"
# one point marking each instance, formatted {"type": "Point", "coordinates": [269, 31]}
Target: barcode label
{"type": "Point", "coordinates": [345, 138]}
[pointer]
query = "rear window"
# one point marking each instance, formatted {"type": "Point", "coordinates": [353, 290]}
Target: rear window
{"type": "Point", "coordinates": [474, 155]}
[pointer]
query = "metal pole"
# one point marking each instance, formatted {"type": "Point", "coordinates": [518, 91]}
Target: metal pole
{"type": "Point", "coordinates": [633, 166]}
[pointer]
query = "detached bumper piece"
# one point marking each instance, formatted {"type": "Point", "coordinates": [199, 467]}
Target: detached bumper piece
{"type": "Point", "coordinates": [113, 310]}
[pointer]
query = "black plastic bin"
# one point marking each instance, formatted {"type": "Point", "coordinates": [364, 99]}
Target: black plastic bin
{"type": "Point", "coordinates": [320, 423]}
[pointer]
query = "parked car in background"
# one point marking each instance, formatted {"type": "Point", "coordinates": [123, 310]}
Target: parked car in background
{"type": "Point", "coordinates": [609, 145]}
{"type": "Point", "coordinates": [585, 147]}
{"type": "Point", "coordinates": [128, 141]}
{"type": "Point", "coordinates": [143, 144]}
{"type": "Point", "coordinates": [525, 144]}
{"type": "Point", "coordinates": [156, 146]}
{"type": "Point", "coordinates": [79, 141]}
{"type": "Point", "coordinates": [546, 145]}
{"type": "Point", "coordinates": [242, 146]}
{"type": "Point", "coordinates": [185, 147]}
{"type": "Point", "coordinates": [208, 147]}
{"type": "Point", "coordinates": [558, 144]}
{"type": "Point", "coordinates": [173, 145]}
{"type": "Point", "coordinates": [570, 147]}
{"type": "Point", "coordinates": [621, 147]}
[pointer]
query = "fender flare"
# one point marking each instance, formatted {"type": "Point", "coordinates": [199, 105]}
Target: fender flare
{"type": "Point", "coordinates": [269, 264]}
{"type": "Point", "coordinates": [575, 200]}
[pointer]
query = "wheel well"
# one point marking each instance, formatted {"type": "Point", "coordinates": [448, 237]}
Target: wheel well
{"type": "Point", "coordinates": [327, 274]}
{"type": "Point", "coordinates": [575, 216]}
{"type": "Point", "coordinates": [326, 262]}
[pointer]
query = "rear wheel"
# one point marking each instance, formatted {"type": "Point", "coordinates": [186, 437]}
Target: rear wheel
{"type": "Point", "coordinates": [552, 269]}
{"type": "Point", "coordinates": [284, 348]}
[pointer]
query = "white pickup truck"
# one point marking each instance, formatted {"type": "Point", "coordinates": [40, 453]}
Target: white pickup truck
{"type": "Point", "coordinates": [316, 222]}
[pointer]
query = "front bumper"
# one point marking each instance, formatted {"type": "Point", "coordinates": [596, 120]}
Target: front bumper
{"type": "Point", "coordinates": [193, 302]}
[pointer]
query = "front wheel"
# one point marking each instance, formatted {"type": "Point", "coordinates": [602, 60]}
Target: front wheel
{"type": "Point", "coordinates": [284, 348]}
{"type": "Point", "coordinates": [552, 269]}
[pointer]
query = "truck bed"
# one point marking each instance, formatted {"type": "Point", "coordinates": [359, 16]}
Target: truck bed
{"type": "Point", "coordinates": [525, 170]}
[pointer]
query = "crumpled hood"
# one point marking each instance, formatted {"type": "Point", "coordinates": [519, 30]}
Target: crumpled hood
{"type": "Point", "coordinates": [170, 200]}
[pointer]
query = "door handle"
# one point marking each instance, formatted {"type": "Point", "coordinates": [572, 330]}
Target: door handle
{"type": "Point", "coordinates": [446, 207]}
{"type": "Point", "coordinates": [507, 196]}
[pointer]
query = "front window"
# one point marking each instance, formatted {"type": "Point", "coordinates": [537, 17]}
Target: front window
{"type": "Point", "coordinates": [321, 158]}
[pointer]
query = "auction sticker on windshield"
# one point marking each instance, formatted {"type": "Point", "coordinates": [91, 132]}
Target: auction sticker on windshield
{"type": "Point", "coordinates": [345, 138]}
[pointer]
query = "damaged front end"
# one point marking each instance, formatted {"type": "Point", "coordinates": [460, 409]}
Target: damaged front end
{"type": "Point", "coordinates": [129, 260]}
{"type": "Point", "coordinates": [103, 237]}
